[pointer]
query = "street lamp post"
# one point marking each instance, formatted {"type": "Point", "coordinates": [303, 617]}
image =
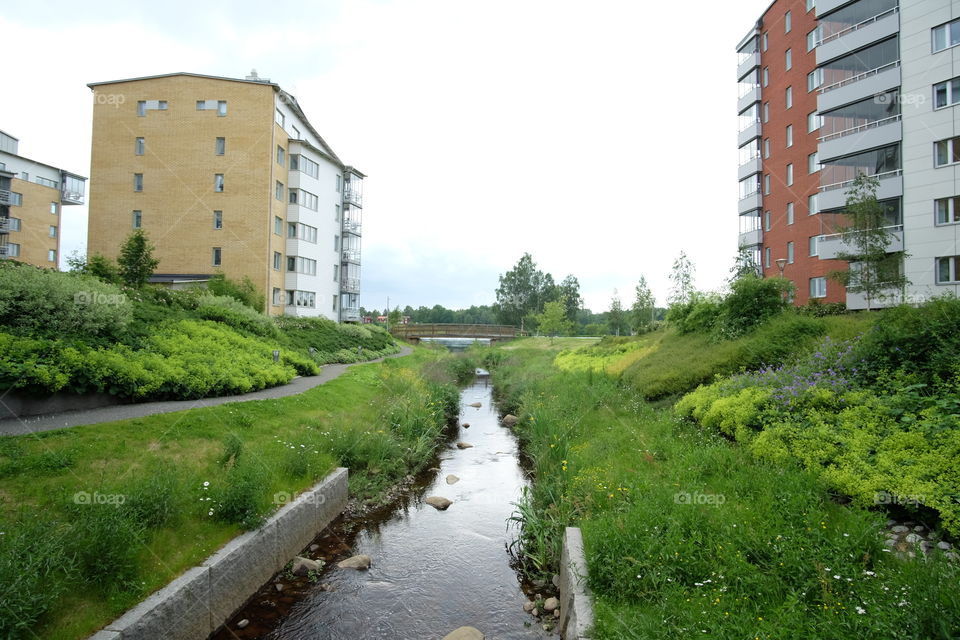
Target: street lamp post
{"type": "Point", "coordinates": [781, 264]}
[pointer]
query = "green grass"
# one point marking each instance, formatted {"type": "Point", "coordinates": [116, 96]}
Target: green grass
{"type": "Point", "coordinates": [688, 534]}
{"type": "Point", "coordinates": [189, 482]}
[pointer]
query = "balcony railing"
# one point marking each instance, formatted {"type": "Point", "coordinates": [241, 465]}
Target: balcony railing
{"type": "Point", "coordinates": [859, 129]}
{"type": "Point", "coordinates": [4, 250]}
{"type": "Point", "coordinates": [859, 77]}
{"type": "Point", "coordinates": [350, 285]}
{"type": "Point", "coordinates": [4, 225]}
{"type": "Point", "coordinates": [350, 314]}
{"type": "Point", "coordinates": [847, 183]}
{"type": "Point", "coordinates": [858, 26]}
{"type": "Point", "coordinates": [351, 255]}
{"type": "Point", "coordinates": [10, 197]}
{"type": "Point", "coordinates": [352, 196]}
{"type": "Point", "coordinates": [829, 246]}
{"type": "Point", "coordinates": [352, 226]}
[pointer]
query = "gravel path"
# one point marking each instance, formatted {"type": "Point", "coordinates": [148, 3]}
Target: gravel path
{"type": "Point", "coordinates": [49, 422]}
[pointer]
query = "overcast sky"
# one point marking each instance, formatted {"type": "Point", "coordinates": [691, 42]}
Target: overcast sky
{"type": "Point", "coordinates": [599, 137]}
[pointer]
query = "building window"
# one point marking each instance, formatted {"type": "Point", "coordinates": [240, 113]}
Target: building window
{"type": "Point", "coordinates": [277, 260]}
{"type": "Point", "coordinates": [218, 219]}
{"type": "Point", "coordinates": [336, 272]}
{"type": "Point", "coordinates": [218, 182]}
{"type": "Point", "coordinates": [336, 243]}
{"type": "Point", "coordinates": [787, 22]}
{"type": "Point", "coordinates": [221, 107]}
{"type": "Point", "coordinates": [338, 183]}
{"type": "Point", "coordinates": [138, 182]}
{"type": "Point", "coordinates": [276, 296]}
{"type": "Point", "coordinates": [766, 112]}
{"type": "Point", "coordinates": [790, 253]}
{"type": "Point", "coordinates": [150, 105]}
{"type": "Point", "coordinates": [766, 184]}
{"type": "Point", "coordinates": [336, 213]}
{"type": "Point", "coordinates": [789, 213]}
{"type": "Point", "coordinates": [766, 221]}
{"type": "Point", "coordinates": [280, 156]}
{"type": "Point", "coordinates": [766, 76]}
{"type": "Point", "coordinates": [947, 152]}
{"type": "Point", "coordinates": [766, 147]}
{"type": "Point", "coordinates": [53, 208]}
{"type": "Point", "coordinates": [789, 135]}
{"type": "Point", "coordinates": [788, 98]}
{"type": "Point", "coordinates": [790, 175]}
{"type": "Point", "coordinates": [13, 250]}
{"type": "Point", "coordinates": [137, 219]}
{"type": "Point", "coordinates": [814, 79]}
{"type": "Point", "coordinates": [280, 118]}
{"type": "Point", "coordinates": [334, 303]}
{"type": "Point", "coordinates": [947, 210]}
{"type": "Point", "coordinates": [14, 224]}
{"type": "Point", "coordinates": [292, 196]}
{"type": "Point", "coordinates": [296, 133]}
{"type": "Point", "coordinates": [813, 122]}
{"type": "Point", "coordinates": [221, 146]}
{"type": "Point", "coordinates": [763, 41]}
{"type": "Point", "coordinates": [141, 108]}
{"type": "Point", "coordinates": [291, 229]}
{"type": "Point", "coordinates": [811, 4]}
{"type": "Point", "coordinates": [947, 270]}
{"type": "Point", "coordinates": [217, 256]}
{"type": "Point", "coordinates": [299, 264]}
{"type": "Point", "coordinates": [814, 246]}
{"type": "Point", "coordinates": [812, 40]}
{"type": "Point", "coordinates": [812, 165]}
{"type": "Point", "coordinates": [766, 257]}
{"type": "Point", "coordinates": [53, 231]}
{"type": "Point", "coordinates": [278, 225]}
{"type": "Point", "coordinates": [305, 165]}
{"type": "Point", "coordinates": [788, 59]}
{"type": "Point", "coordinates": [946, 94]}
{"type": "Point", "coordinates": [946, 36]}
{"type": "Point", "coordinates": [52, 255]}
{"type": "Point", "coordinates": [812, 206]}
{"type": "Point", "coordinates": [307, 199]}
{"type": "Point", "coordinates": [16, 199]}
{"type": "Point", "coordinates": [138, 147]}
{"type": "Point", "coordinates": [818, 287]}
{"type": "Point", "coordinates": [278, 191]}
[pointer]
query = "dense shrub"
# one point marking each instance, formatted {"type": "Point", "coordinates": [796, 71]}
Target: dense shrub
{"type": "Point", "coordinates": [232, 312]}
{"type": "Point", "coordinates": [751, 302]}
{"type": "Point", "coordinates": [329, 341]}
{"type": "Point", "coordinates": [49, 303]}
{"type": "Point", "coordinates": [244, 291]}
{"type": "Point", "coordinates": [699, 315]}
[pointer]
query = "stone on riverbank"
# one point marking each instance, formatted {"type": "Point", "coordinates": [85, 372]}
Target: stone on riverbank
{"type": "Point", "coordinates": [464, 633]}
{"type": "Point", "coordinates": [452, 479]}
{"type": "Point", "coordinates": [550, 604]}
{"type": "Point", "coordinates": [464, 445]}
{"type": "Point", "coordinates": [510, 420]}
{"type": "Point", "coordinates": [438, 502]}
{"type": "Point", "coordinates": [303, 566]}
{"type": "Point", "coordinates": [361, 561]}
{"type": "Point", "coordinates": [475, 405]}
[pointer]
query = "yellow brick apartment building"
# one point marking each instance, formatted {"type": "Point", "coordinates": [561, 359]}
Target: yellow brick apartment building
{"type": "Point", "coordinates": [227, 176]}
{"type": "Point", "coordinates": [32, 195]}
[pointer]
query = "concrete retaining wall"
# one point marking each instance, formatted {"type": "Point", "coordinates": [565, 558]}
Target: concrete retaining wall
{"type": "Point", "coordinates": [201, 600]}
{"type": "Point", "coordinates": [576, 608]}
{"type": "Point", "coordinates": [21, 406]}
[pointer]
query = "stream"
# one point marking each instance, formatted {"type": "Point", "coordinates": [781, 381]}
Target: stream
{"type": "Point", "coordinates": [432, 571]}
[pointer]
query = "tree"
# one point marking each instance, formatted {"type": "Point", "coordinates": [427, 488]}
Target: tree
{"type": "Point", "coordinates": [872, 269]}
{"type": "Point", "coordinates": [96, 265]}
{"type": "Point", "coordinates": [136, 260]}
{"type": "Point", "coordinates": [745, 265]}
{"type": "Point", "coordinates": [644, 307]}
{"type": "Point", "coordinates": [569, 291]}
{"type": "Point", "coordinates": [553, 321]}
{"type": "Point", "coordinates": [394, 317]}
{"type": "Point", "coordinates": [681, 277]}
{"type": "Point", "coordinates": [523, 291]}
{"type": "Point", "coordinates": [616, 317]}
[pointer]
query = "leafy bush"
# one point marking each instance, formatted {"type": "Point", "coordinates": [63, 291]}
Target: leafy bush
{"type": "Point", "coordinates": [36, 302]}
{"type": "Point", "coordinates": [240, 502]}
{"type": "Point", "coordinates": [751, 302]}
{"type": "Point", "coordinates": [699, 315]}
{"type": "Point", "coordinates": [235, 314]}
{"type": "Point", "coordinates": [244, 291]}
{"type": "Point", "coordinates": [328, 337]}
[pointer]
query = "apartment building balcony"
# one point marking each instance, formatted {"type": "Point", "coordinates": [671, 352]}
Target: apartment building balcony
{"type": "Point", "coordinates": [749, 239]}
{"type": "Point", "coordinates": [349, 285]}
{"type": "Point", "coordinates": [879, 133]}
{"type": "Point", "coordinates": [859, 35]}
{"type": "Point", "coordinates": [749, 168]}
{"type": "Point", "coordinates": [4, 250]}
{"type": "Point", "coordinates": [826, 6]}
{"type": "Point", "coordinates": [834, 196]}
{"type": "Point", "coordinates": [352, 195]}
{"type": "Point", "coordinates": [829, 246]}
{"type": "Point", "coordinates": [72, 188]}
{"type": "Point", "coordinates": [352, 226]}
{"type": "Point", "coordinates": [747, 99]}
{"type": "Point", "coordinates": [350, 314]}
{"type": "Point", "coordinates": [750, 202]}
{"type": "Point", "coordinates": [4, 225]}
{"type": "Point", "coordinates": [750, 133]}
{"type": "Point", "coordinates": [351, 255]}
{"type": "Point", "coordinates": [748, 64]}
{"type": "Point", "coordinates": [858, 87]}
{"type": "Point", "coordinates": [10, 198]}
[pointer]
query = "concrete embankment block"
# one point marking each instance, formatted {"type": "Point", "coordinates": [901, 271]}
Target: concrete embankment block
{"type": "Point", "coordinates": [576, 608]}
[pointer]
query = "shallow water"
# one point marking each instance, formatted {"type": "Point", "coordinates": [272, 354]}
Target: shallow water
{"type": "Point", "coordinates": [433, 571]}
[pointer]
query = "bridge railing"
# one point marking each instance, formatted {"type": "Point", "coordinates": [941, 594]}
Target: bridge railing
{"type": "Point", "coordinates": [440, 330]}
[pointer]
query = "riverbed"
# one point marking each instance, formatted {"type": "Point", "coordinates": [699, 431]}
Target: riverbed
{"type": "Point", "coordinates": [432, 571]}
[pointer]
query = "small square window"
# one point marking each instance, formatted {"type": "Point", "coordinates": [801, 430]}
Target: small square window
{"type": "Point", "coordinates": [221, 107]}
{"type": "Point", "coordinates": [53, 208]}
{"type": "Point", "coordinates": [138, 182]}
{"type": "Point", "coordinates": [278, 225]}
{"type": "Point", "coordinates": [53, 231]}
{"type": "Point", "coordinates": [52, 255]}
{"type": "Point", "coordinates": [818, 287]}
{"type": "Point", "coordinates": [141, 108]}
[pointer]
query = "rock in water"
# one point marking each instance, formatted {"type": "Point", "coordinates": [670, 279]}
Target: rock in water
{"type": "Point", "coordinates": [452, 479]}
{"type": "Point", "coordinates": [243, 624]}
{"type": "Point", "coordinates": [550, 604]}
{"type": "Point", "coordinates": [510, 420]}
{"type": "Point", "coordinates": [464, 633]}
{"type": "Point", "coordinates": [529, 606]}
{"type": "Point", "coordinates": [438, 502]}
{"type": "Point", "coordinates": [464, 445]}
{"type": "Point", "coordinates": [466, 425]}
{"type": "Point", "coordinates": [475, 405]}
{"type": "Point", "coordinates": [303, 566]}
{"type": "Point", "coordinates": [356, 562]}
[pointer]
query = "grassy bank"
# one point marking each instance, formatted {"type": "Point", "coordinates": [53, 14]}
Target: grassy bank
{"type": "Point", "coordinates": [94, 518]}
{"type": "Point", "coordinates": [687, 532]}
